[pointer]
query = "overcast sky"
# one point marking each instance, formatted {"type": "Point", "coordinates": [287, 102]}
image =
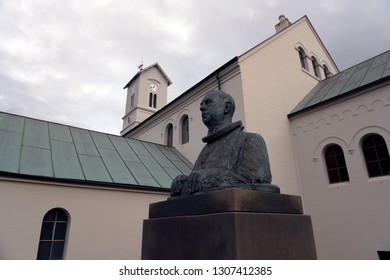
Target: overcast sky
{"type": "Point", "coordinates": [68, 61]}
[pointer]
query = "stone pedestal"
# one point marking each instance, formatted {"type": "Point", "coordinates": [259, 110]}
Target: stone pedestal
{"type": "Point", "coordinates": [228, 224]}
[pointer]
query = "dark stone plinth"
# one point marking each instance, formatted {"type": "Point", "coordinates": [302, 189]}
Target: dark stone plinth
{"type": "Point", "coordinates": [227, 200]}
{"type": "Point", "coordinates": [242, 224]}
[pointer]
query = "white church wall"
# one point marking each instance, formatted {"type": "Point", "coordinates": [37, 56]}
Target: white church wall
{"type": "Point", "coordinates": [273, 84]}
{"type": "Point", "coordinates": [104, 223]}
{"type": "Point", "coordinates": [350, 219]}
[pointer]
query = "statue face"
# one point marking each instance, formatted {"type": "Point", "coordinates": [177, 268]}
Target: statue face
{"type": "Point", "coordinates": [213, 110]}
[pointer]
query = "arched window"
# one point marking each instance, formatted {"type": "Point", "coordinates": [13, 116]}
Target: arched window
{"type": "Point", "coordinates": [326, 71]}
{"type": "Point", "coordinates": [185, 130]}
{"type": "Point", "coordinates": [302, 58]}
{"type": "Point", "coordinates": [132, 101]}
{"type": "Point", "coordinates": [335, 164]}
{"type": "Point", "coordinates": [150, 99]}
{"type": "Point", "coordinates": [53, 235]}
{"type": "Point", "coordinates": [169, 135]}
{"type": "Point", "coordinates": [316, 67]}
{"type": "Point", "coordinates": [154, 100]}
{"type": "Point", "coordinates": [376, 155]}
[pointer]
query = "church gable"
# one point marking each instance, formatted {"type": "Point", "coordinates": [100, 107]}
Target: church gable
{"type": "Point", "coordinates": [141, 69]}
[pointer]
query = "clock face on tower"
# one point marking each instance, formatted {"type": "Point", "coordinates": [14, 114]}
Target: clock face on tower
{"type": "Point", "coordinates": [153, 87]}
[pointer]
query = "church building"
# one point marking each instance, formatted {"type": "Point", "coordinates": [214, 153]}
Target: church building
{"type": "Point", "coordinates": [327, 132]}
{"type": "Point", "coordinates": [266, 82]}
{"type": "Point", "coordinates": [70, 193]}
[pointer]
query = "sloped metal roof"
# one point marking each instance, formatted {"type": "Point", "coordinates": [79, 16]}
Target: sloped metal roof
{"type": "Point", "coordinates": [48, 150]}
{"type": "Point", "coordinates": [346, 82]}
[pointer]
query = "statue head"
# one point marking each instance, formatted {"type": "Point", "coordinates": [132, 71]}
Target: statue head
{"type": "Point", "coordinates": [217, 109]}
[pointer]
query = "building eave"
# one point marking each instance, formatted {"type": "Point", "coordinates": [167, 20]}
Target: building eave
{"type": "Point", "coordinates": [365, 89]}
{"type": "Point", "coordinates": [79, 183]}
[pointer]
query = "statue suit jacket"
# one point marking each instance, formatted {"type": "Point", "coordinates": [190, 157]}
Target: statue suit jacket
{"type": "Point", "coordinates": [234, 157]}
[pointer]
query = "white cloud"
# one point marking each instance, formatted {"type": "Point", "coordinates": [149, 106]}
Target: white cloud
{"type": "Point", "coordinates": [67, 61]}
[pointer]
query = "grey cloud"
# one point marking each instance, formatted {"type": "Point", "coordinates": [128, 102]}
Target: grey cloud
{"type": "Point", "coordinates": [67, 61]}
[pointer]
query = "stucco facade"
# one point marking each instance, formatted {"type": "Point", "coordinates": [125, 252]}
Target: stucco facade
{"type": "Point", "coordinates": [350, 219]}
{"type": "Point", "coordinates": [104, 223]}
{"type": "Point", "coordinates": [273, 83]}
{"type": "Point", "coordinates": [101, 185]}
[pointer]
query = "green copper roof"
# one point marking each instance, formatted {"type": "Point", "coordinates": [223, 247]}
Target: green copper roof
{"type": "Point", "coordinates": [54, 151]}
{"type": "Point", "coordinates": [346, 82]}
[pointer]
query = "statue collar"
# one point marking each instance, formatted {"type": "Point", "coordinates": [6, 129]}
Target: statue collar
{"type": "Point", "coordinates": [212, 136]}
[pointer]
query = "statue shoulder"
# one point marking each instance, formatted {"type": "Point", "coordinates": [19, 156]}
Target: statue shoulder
{"type": "Point", "coordinates": [252, 137]}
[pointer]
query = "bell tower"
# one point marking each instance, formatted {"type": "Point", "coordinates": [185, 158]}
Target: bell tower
{"type": "Point", "coordinates": [147, 92]}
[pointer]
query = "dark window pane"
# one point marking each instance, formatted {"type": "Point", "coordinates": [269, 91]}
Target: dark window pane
{"type": "Point", "coordinates": [385, 165]}
{"type": "Point", "coordinates": [60, 232]}
{"type": "Point", "coordinates": [368, 142]}
{"type": "Point", "coordinates": [47, 231]}
{"type": "Point", "coordinates": [302, 57]}
{"type": "Point", "coordinates": [185, 130]}
{"type": "Point", "coordinates": [44, 250]}
{"type": "Point", "coordinates": [331, 162]}
{"type": "Point", "coordinates": [378, 140]}
{"type": "Point", "coordinates": [150, 99]}
{"type": "Point", "coordinates": [333, 176]}
{"type": "Point", "coordinates": [340, 160]}
{"type": "Point", "coordinates": [57, 225]}
{"type": "Point", "coordinates": [61, 216]}
{"type": "Point", "coordinates": [169, 135]}
{"type": "Point", "coordinates": [370, 154]}
{"type": "Point", "coordinates": [382, 152]}
{"type": "Point", "coordinates": [155, 101]}
{"type": "Point", "coordinates": [376, 155]}
{"type": "Point", "coordinates": [326, 71]}
{"type": "Point", "coordinates": [335, 164]}
{"type": "Point", "coordinates": [50, 216]}
{"type": "Point", "coordinates": [343, 174]}
{"type": "Point", "coordinates": [373, 169]}
{"type": "Point", "coordinates": [57, 250]}
{"type": "Point", "coordinates": [384, 255]}
{"type": "Point", "coordinates": [316, 67]}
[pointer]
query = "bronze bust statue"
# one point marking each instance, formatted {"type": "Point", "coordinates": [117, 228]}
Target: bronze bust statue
{"type": "Point", "coordinates": [230, 158]}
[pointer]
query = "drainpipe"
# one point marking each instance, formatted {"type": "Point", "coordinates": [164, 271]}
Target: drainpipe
{"type": "Point", "coordinates": [219, 81]}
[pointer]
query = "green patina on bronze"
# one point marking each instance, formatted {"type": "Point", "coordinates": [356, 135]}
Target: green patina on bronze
{"type": "Point", "coordinates": [231, 157]}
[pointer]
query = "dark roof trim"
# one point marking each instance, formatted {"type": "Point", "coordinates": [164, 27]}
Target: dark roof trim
{"type": "Point", "coordinates": [323, 45]}
{"type": "Point", "coordinates": [181, 96]}
{"type": "Point", "coordinates": [132, 79]}
{"type": "Point", "coordinates": [146, 69]}
{"type": "Point", "coordinates": [339, 97]}
{"type": "Point", "coordinates": [83, 182]}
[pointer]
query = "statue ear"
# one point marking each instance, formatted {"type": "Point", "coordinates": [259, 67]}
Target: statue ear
{"type": "Point", "coordinates": [228, 107]}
